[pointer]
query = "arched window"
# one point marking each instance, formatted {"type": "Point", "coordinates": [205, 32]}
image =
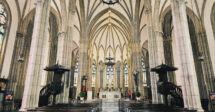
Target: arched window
{"type": "Point", "coordinates": [76, 73]}
{"type": "Point", "coordinates": [4, 24]}
{"type": "Point", "coordinates": [93, 75]}
{"type": "Point", "coordinates": [144, 73]}
{"type": "Point", "coordinates": [126, 74]}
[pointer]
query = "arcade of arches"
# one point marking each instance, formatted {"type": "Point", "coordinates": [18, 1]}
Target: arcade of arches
{"type": "Point", "coordinates": [107, 49]}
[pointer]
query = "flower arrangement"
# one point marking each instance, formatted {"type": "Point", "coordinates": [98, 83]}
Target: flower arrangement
{"type": "Point", "coordinates": [82, 94]}
{"type": "Point", "coordinates": [138, 94]}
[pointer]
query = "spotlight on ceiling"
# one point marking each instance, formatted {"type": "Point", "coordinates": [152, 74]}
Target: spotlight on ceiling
{"type": "Point", "coordinates": [110, 2]}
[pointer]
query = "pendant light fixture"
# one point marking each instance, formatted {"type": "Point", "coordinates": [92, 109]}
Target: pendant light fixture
{"type": "Point", "coordinates": [110, 2]}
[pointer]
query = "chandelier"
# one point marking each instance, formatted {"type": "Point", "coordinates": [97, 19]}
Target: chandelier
{"type": "Point", "coordinates": [109, 61]}
{"type": "Point", "coordinates": [110, 2]}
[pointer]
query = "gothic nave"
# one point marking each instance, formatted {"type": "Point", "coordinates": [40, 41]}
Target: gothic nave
{"type": "Point", "coordinates": [107, 55]}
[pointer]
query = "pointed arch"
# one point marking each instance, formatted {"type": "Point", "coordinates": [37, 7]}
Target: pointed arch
{"type": "Point", "coordinates": [6, 18]}
{"type": "Point", "coordinates": [213, 19]}
{"type": "Point", "coordinates": [75, 45]}
{"type": "Point", "coordinates": [123, 18]}
{"type": "Point", "coordinates": [101, 52]}
{"type": "Point", "coordinates": [110, 50]}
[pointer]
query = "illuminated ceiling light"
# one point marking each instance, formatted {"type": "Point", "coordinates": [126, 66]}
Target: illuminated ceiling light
{"type": "Point", "coordinates": [109, 24]}
{"type": "Point", "coordinates": [110, 2]}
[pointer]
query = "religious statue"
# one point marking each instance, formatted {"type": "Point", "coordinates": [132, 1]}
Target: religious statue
{"type": "Point", "coordinates": [135, 73]}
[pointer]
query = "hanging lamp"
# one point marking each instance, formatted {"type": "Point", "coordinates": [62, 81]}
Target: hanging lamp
{"type": "Point", "coordinates": [110, 2]}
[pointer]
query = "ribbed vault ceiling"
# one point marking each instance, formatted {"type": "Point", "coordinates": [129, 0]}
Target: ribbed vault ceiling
{"type": "Point", "coordinates": [109, 33]}
{"type": "Point", "coordinates": [109, 26]}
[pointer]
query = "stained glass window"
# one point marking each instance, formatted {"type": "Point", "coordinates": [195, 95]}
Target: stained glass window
{"type": "Point", "coordinates": [144, 74]}
{"type": "Point", "coordinates": [126, 74]}
{"type": "Point", "coordinates": [3, 22]}
{"type": "Point", "coordinates": [110, 76]}
{"type": "Point", "coordinates": [76, 73]}
{"type": "Point", "coordinates": [93, 75]}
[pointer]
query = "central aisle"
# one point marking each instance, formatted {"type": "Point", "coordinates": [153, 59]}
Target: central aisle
{"type": "Point", "coordinates": [110, 107]}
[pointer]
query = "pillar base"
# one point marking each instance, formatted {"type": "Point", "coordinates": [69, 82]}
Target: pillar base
{"type": "Point", "coordinates": [22, 110]}
{"type": "Point", "coordinates": [25, 109]}
{"type": "Point", "coordinates": [199, 110]}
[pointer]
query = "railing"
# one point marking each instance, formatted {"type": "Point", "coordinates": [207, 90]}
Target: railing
{"type": "Point", "coordinates": [53, 88]}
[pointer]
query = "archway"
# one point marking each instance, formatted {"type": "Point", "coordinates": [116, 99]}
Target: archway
{"type": "Point", "coordinates": [108, 37]}
{"type": "Point", "coordinates": [213, 19]}
{"type": "Point", "coordinates": [5, 21]}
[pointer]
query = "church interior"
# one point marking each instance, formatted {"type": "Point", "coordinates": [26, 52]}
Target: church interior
{"type": "Point", "coordinates": [107, 55]}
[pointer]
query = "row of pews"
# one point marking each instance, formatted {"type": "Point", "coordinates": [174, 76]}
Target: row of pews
{"type": "Point", "coordinates": [124, 106]}
{"type": "Point", "coordinates": [141, 107]}
{"type": "Point", "coordinates": [74, 107]}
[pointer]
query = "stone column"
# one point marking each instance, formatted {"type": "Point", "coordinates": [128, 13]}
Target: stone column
{"type": "Point", "coordinates": [89, 81]}
{"type": "Point", "coordinates": [115, 76]}
{"type": "Point", "coordinates": [136, 64]}
{"type": "Point", "coordinates": [97, 80]}
{"type": "Point", "coordinates": [206, 64]}
{"type": "Point", "coordinates": [36, 57]}
{"type": "Point", "coordinates": [155, 52]}
{"type": "Point", "coordinates": [101, 74]}
{"type": "Point", "coordinates": [131, 84]}
{"type": "Point", "coordinates": [105, 77]}
{"type": "Point", "coordinates": [186, 67]}
{"type": "Point", "coordinates": [118, 75]}
{"type": "Point", "coordinates": [64, 53]}
{"type": "Point", "coordinates": [122, 76]}
{"type": "Point", "coordinates": [83, 63]}
{"type": "Point", "coordinates": [63, 58]}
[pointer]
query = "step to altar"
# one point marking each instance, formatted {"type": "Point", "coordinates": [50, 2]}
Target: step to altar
{"type": "Point", "coordinates": [110, 96]}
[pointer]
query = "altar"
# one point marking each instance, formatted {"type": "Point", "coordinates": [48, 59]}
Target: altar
{"type": "Point", "coordinates": [110, 95]}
